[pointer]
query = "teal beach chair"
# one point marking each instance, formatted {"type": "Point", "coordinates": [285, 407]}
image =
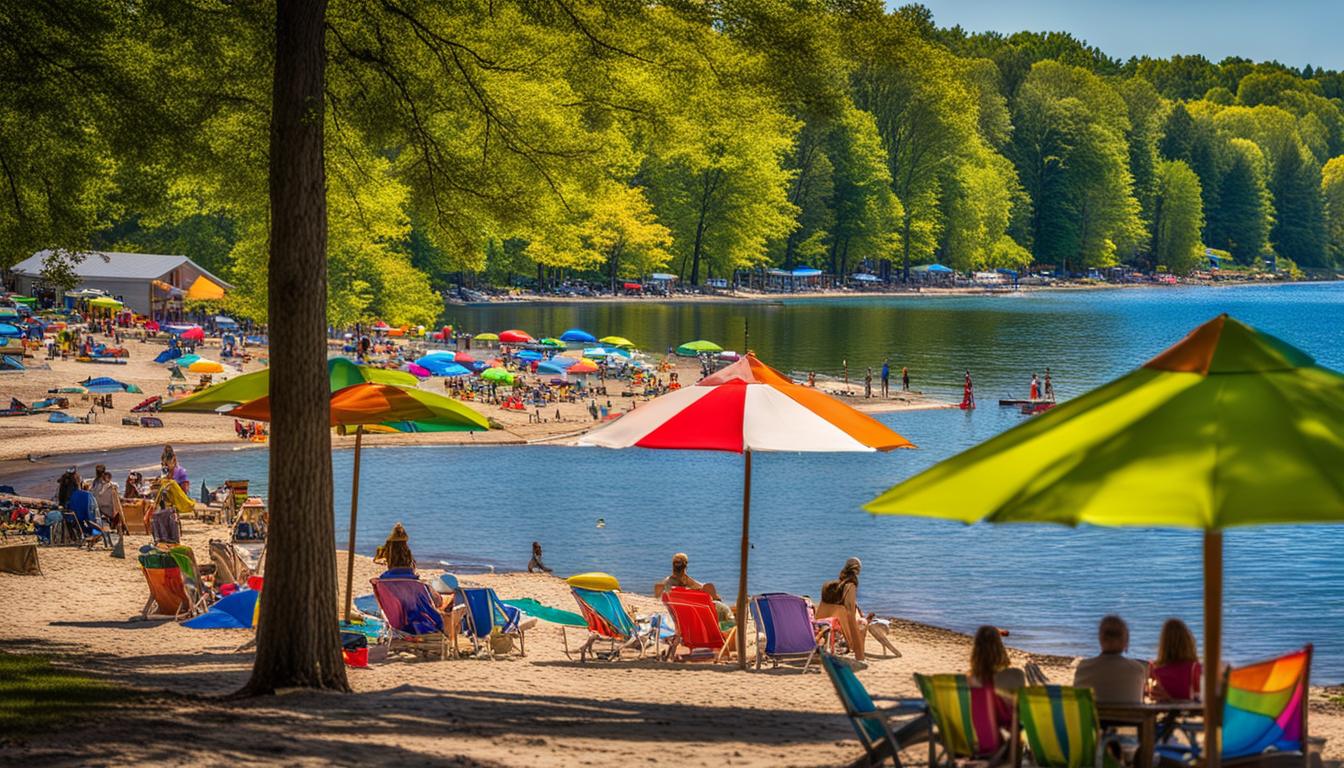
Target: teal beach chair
{"type": "Point", "coordinates": [872, 724]}
{"type": "Point", "coordinates": [607, 622]}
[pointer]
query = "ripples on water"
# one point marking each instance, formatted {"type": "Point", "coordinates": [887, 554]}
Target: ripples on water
{"type": "Point", "coordinates": [1047, 584]}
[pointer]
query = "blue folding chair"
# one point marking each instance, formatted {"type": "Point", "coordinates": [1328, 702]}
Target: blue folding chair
{"type": "Point", "coordinates": [486, 617]}
{"type": "Point", "coordinates": [85, 508]}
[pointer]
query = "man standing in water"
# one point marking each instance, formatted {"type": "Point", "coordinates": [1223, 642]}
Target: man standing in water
{"type": "Point", "coordinates": [886, 378]}
{"type": "Point", "coordinates": [905, 379]}
{"type": "Point", "coordinates": [1049, 393]}
{"type": "Point", "coordinates": [868, 383]}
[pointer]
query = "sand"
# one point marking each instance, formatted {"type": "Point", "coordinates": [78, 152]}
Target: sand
{"type": "Point", "coordinates": [33, 436]}
{"type": "Point", "coordinates": [541, 710]}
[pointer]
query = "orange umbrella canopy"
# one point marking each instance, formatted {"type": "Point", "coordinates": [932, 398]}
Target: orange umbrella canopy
{"type": "Point", "coordinates": [377, 403]}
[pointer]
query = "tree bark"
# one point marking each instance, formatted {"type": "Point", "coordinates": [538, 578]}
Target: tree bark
{"type": "Point", "coordinates": [298, 643]}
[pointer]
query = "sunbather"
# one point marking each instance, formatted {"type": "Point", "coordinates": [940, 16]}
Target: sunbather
{"type": "Point", "coordinates": [396, 555]}
{"type": "Point", "coordinates": [680, 578]}
{"type": "Point", "coordinates": [1174, 676]}
{"type": "Point", "coordinates": [839, 600]}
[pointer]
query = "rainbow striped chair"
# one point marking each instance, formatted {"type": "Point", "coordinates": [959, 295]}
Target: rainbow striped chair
{"type": "Point", "coordinates": [1061, 727]}
{"type": "Point", "coordinates": [965, 721]}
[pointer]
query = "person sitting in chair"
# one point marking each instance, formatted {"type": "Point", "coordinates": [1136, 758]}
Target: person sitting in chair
{"type": "Point", "coordinates": [1113, 677]}
{"type": "Point", "coordinates": [680, 578]}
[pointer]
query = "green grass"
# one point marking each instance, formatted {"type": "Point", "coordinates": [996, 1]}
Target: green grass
{"type": "Point", "coordinates": [34, 694]}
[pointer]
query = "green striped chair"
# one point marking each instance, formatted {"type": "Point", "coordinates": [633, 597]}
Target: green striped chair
{"type": "Point", "coordinates": [965, 721]}
{"type": "Point", "coordinates": [1061, 728]}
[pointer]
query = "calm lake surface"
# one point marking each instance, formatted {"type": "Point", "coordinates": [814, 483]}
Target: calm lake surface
{"type": "Point", "coordinates": [1047, 584]}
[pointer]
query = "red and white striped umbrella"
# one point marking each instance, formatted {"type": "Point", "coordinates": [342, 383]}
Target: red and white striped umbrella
{"type": "Point", "coordinates": [747, 407]}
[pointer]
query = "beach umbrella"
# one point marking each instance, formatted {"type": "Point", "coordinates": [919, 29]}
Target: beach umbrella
{"type": "Point", "coordinates": [693, 348]}
{"type": "Point", "coordinates": [578, 335]}
{"type": "Point", "coordinates": [529, 356]}
{"type": "Point", "coordinates": [185, 361]}
{"type": "Point", "coordinates": [341, 373]}
{"type": "Point", "coordinates": [368, 403]}
{"type": "Point", "coordinates": [486, 337]}
{"type": "Point", "coordinates": [441, 364]}
{"type": "Point", "coordinates": [515, 337]}
{"type": "Point", "coordinates": [193, 334]}
{"type": "Point", "coordinates": [1229, 427]}
{"type": "Point", "coordinates": [205, 366]}
{"type": "Point", "coordinates": [497, 375]}
{"type": "Point", "coordinates": [597, 353]}
{"type": "Point", "coordinates": [551, 367]}
{"type": "Point", "coordinates": [464, 358]}
{"type": "Point", "coordinates": [582, 367]}
{"type": "Point", "coordinates": [418, 371]}
{"type": "Point", "coordinates": [562, 361]}
{"type": "Point", "coordinates": [551, 342]}
{"type": "Point", "coordinates": [617, 341]}
{"type": "Point", "coordinates": [152, 325]}
{"type": "Point", "coordinates": [9, 330]}
{"type": "Point", "coordinates": [745, 408]}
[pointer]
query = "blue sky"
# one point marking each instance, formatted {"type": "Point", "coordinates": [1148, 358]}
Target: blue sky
{"type": "Point", "coordinates": [1295, 32]}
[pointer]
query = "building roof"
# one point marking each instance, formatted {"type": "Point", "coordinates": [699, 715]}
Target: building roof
{"type": "Point", "coordinates": [116, 265]}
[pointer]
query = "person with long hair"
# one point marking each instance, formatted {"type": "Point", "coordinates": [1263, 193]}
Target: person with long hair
{"type": "Point", "coordinates": [839, 600]}
{"type": "Point", "coordinates": [1174, 674]}
{"type": "Point", "coordinates": [396, 555]}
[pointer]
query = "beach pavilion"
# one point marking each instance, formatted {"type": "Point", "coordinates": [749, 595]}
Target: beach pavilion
{"type": "Point", "coordinates": [147, 283]}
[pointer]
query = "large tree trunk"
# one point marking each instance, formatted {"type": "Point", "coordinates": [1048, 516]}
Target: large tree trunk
{"type": "Point", "coordinates": [298, 644]}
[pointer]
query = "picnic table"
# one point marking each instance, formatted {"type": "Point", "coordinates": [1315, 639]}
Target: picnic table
{"type": "Point", "coordinates": [1144, 717]}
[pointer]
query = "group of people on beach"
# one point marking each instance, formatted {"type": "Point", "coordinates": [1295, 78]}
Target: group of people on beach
{"type": "Point", "coordinates": [106, 509]}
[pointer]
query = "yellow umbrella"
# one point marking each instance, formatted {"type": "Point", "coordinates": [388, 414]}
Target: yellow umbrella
{"type": "Point", "coordinates": [205, 366]}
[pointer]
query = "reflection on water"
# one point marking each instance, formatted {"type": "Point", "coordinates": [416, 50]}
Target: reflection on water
{"type": "Point", "coordinates": [1047, 584]}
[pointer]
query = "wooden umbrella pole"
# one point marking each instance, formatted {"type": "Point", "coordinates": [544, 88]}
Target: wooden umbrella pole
{"type": "Point", "coordinates": [1213, 638]}
{"type": "Point", "coordinates": [354, 517]}
{"type": "Point", "coordinates": [741, 612]}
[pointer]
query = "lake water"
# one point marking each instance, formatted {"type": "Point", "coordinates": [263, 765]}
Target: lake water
{"type": "Point", "coordinates": [1047, 584]}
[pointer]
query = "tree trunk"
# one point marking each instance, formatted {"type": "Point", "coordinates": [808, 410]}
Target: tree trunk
{"type": "Point", "coordinates": [298, 644]}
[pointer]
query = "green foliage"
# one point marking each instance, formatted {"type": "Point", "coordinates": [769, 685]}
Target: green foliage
{"type": "Point", "coordinates": [1242, 221]}
{"type": "Point", "coordinates": [1332, 190]}
{"type": "Point", "coordinates": [1178, 217]}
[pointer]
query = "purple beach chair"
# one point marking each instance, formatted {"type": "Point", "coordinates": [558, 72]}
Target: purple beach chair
{"type": "Point", "coordinates": [413, 620]}
{"type": "Point", "coordinates": [788, 627]}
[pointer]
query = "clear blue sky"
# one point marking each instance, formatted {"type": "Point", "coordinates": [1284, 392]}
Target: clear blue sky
{"type": "Point", "coordinates": [1295, 32]}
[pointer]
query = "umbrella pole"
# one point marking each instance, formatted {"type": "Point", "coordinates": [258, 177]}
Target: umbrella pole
{"type": "Point", "coordinates": [742, 574]}
{"type": "Point", "coordinates": [354, 516]}
{"type": "Point", "coordinates": [1213, 638]}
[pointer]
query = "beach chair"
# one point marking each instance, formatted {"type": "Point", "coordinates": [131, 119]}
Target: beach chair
{"type": "Point", "coordinates": [790, 633]}
{"type": "Point", "coordinates": [1062, 729]}
{"type": "Point", "coordinates": [198, 580]}
{"type": "Point", "coordinates": [872, 724]}
{"type": "Point", "coordinates": [607, 621]}
{"type": "Point", "coordinates": [413, 621]}
{"type": "Point", "coordinates": [167, 593]}
{"type": "Point", "coordinates": [697, 623]}
{"type": "Point", "coordinates": [1264, 715]}
{"type": "Point", "coordinates": [85, 507]}
{"type": "Point", "coordinates": [965, 722]}
{"type": "Point", "coordinates": [486, 618]}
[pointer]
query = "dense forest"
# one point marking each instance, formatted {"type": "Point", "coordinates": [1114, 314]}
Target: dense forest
{"type": "Point", "coordinates": [613, 138]}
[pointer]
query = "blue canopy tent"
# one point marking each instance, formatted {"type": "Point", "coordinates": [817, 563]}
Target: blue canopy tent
{"type": "Point", "coordinates": [441, 365]}
{"type": "Point", "coordinates": [937, 269]}
{"type": "Point", "coordinates": [578, 335]}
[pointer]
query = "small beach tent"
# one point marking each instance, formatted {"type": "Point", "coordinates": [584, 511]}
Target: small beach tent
{"type": "Point", "coordinates": [618, 341]}
{"type": "Point", "coordinates": [365, 404]}
{"type": "Point", "coordinates": [341, 373]}
{"type": "Point", "coordinates": [578, 335]}
{"type": "Point", "coordinates": [1229, 427]}
{"type": "Point", "coordinates": [745, 408]}
{"type": "Point", "coordinates": [515, 337]}
{"type": "Point", "coordinates": [693, 348]}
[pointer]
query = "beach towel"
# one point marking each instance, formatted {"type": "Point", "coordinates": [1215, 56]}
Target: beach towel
{"type": "Point", "coordinates": [545, 613]}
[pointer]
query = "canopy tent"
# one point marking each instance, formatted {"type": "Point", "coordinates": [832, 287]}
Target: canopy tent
{"type": "Point", "coordinates": [744, 408]}
{"type": "Point", "coordinates": [369, 403]}
{"type": "Point", "coordinates": [578, 335]}
{"type": "Point", "coordinates": [1229, 427]}
{"type": "Point", "coordinates": [693, 348]}
{"type": "Point", "coordinates": [341, 373]}
{"type": "Point", "coordinates": [225, 322]}
{"type": "Point", "coordinates": [205, 289]}
{"type": "Point", "coordinates": [934, 268]}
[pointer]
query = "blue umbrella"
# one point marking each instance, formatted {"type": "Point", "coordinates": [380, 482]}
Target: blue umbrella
{"type": "Point", "coordinates": [550, 367]}
{"type": "Point", "coordinates": [104, 385]}
{"type": "Point", "coordinates": [9, 330]}
{"type": "Point", "coordinates": [529, 355]}
{"type": "Point", "coordinates": [441, 365]}
{"type": "Point", "coordinates": [562, 362]}
{"type": "Point", "coordinates": [579, 335]}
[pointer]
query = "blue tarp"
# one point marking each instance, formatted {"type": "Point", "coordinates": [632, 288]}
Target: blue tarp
{"type": "Point", "coordinates": [806, 272]}
{"type": "Point", "coordinates": [171, 353]}
{"type": "Point", "coordinates": [578, 334]}
{"type": "Point", "coordinates": [232, 612]}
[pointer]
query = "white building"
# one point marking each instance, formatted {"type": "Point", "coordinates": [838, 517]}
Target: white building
{"type": "Point", "coordinates": [147, 283]}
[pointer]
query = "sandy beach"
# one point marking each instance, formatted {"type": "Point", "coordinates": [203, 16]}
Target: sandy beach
{"type": "Point", "coordinates": [540, 710]}
{"type": "Point", "coordinates": [33, 436]}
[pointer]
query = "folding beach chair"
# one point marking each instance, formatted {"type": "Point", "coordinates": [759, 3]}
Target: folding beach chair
{"type": "Point", "coordinates": [199, 585]}
{"type": "Point", "coordinates": [167, 593]}
{"type": "Point", "coordinates": [790, 633]}
{"type": "Point", "coordinates": [413, 621]}
{"type": "Point", "coordinates": [607, 621]}
{"type": "Point", "coordinates": [85, 507]}
{"type": "Point", "coordinates": [697, 623]}
{"type": "Point", "coordinates": [487, 617]}
{"type": "Point", "coordinates": [1061, 728]}
{"type": "Point", "coordinates": [873, 725]}
{"type": "Point", "coordinates": [1264, 715]}
{"type": "Point", "coordinates": [965, 721]}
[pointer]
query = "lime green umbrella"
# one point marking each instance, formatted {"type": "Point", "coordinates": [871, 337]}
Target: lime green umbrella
{"type": "Point", "coordinates": [486, 337]}
{"type": "Point", "coordinates": [553, 342]}
{"type": "Point", "coordinates": [617, 341]}
{"type": "Point", "coordinates": [250, 386]}
{"type": "Point", "coordinates": [497, 374]}
{"type": "Point", "coordinates": [693, 348]}
{"type": "Point", "coordinates": [1229, 427]}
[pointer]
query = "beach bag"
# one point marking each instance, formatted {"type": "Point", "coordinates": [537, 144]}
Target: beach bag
{"type": "Point", "coordinates": [355, 649]}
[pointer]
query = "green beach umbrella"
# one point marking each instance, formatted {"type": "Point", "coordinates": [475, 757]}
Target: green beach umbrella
{"type": "Point", "coordinates": [497, 374]}
{"type": "Point", "coordinates": [1229, 427]}
{"type": "Point", "coordinates": [552, 342]}
{"type": "Point", "coordinates": [693, 348]}
{"type": "Point", "coordinates": [250, 386]}
{"type": "Point", "coordinates": [617, 341]}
